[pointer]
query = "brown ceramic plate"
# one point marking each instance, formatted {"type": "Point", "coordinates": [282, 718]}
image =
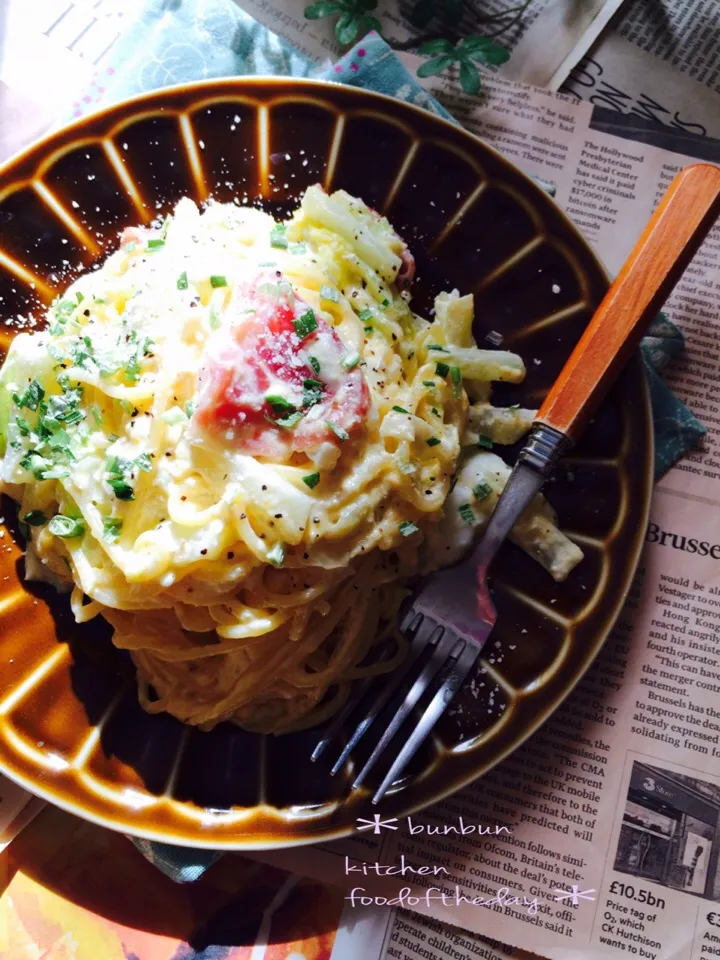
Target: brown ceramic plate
{"type": "Point", "coordinates": [71, 728]}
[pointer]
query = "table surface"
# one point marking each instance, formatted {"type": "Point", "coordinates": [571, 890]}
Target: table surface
{"type": "Point", "coordinates": [76, 891]}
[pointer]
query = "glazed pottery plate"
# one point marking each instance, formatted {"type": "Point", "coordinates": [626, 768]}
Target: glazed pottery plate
{"type": "Point", "coordinates": [71, 729]}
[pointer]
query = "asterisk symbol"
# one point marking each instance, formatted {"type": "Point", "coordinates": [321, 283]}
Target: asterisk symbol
{"type": "Point", "coordinates": [575, 895]}
{"type": "Point", "coordinates": [377, 824]}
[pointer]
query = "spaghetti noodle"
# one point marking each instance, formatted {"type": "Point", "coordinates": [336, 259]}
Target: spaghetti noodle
{"type": "Point", "coordinates": [236, 442]}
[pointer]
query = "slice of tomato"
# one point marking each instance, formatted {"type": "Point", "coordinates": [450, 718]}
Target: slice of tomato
{"type": "Point", "coordinates": [260, 387]}
{"type": "Point", "coordinates": [134, 235]}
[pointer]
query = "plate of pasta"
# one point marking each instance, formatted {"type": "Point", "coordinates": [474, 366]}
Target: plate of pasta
{"type": "Point", "coordinates": [252, 388]}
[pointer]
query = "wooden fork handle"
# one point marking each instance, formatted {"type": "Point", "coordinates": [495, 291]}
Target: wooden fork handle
{"type": "Point", "coordinates": [677, 228]}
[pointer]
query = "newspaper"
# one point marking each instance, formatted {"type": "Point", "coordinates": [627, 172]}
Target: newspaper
{"type": "Point", "coordinates": [662, 62]}
{"type": "Point", "coordinates": [685, 33]}
{"type": "Point", "coordinates": [547, 41]}
{"type": "Point", "coordinates": [601, 835]}
{"type": "Point", "coordinates": [620, 76]}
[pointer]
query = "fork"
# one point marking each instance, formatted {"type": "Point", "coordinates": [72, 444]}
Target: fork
{"type": "Point", "coordinates": [452, 614]}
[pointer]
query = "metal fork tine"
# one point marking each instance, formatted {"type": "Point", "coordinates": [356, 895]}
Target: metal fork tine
{"type": "Point", "coordinates": [340, 717]}
{"type": "Point", "coordinates": [409, 621]}
{"type": "Point", "coordinates": [417, 645]}
{"type": "Point", "coordinates": [432, 713]}
{"type": "Point", "coordinates": [429, 671]}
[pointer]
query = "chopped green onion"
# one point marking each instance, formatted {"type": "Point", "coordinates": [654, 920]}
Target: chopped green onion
{"type": "Point", "coordinates": [214, 318]}
{"type": "Point", "coordinates": [436, 411]}
{"type": "Point", "coordinates": [432, 442]}
{"type": "Point", "coordinates": [466, 513]}
{"type": "Point", "coordinates": [456, 378]}
{"type": "Point", "coordinates": [31, 398]}
{"type": "Point", "coordinates": [312, 392]}
{"type": "Point", "coordinates": [330, 294]}
{"type": "Point", "coordinates": [116, 465]}
{"type": "Point", "coordinates": [132, 369]}
{"type": "Point", "coordinates": [23, 426]}
{"type": "Point", "coordinates": [97, 414]}
{"type": "Point", "coordinates": [314, 363]}
{"type": "Point", "coordinates": [73, 416]}
{"type": "Point", "coordinates": [182, 281]}
{"type": "Point", "coordinates": [36, 518]}
{"type": "Point", "coordinates": [442, 369]}
{"type": "Point", "coordinates": [173, 416]}
{"type": "Point", "coordinates": [485, 442]}
{"type": "Point", "coordinates": [111, 528]}
{"type": "Point", "coordinates": [279, 403]}
{"type": "Point", "coordinates": [368, 330]}
{"type": "Point", "coordinates": [217, 280]}
{"type": "Point", "coordinates": [351, 361]}
{"type": "Point", "coordinates": [56, 472]}
{"type": "Point", "coordinates": [143, 462]}
{"type": "Point", "coordinates": [305, 324]}
{"type": "Point", "coordinates": [338, 430]}
{"type": "Point", "coordinates": [400, 409]}
{"type": "Point", "coordinates": [365, 315]}
{"type": "Point", "coordinates": [311, 480]}
{"type": "Point", "coordinates": [116, 469]}
{"type": "Point", "coordinates": [190, 408]}
{"type": "Point", "coordinates": [429, 383]}
{"type": "Point", "coordinates": [436, 346]}
{"type": "Point", "coordinates": [385, 303]}
{"type": "Point", "coordinates": [278, 237]}
{"type": "Point", "coordinates": [481, 491]}
{"type": "Point", "coordinates": [126, 405]}
{"type": "Point", "coordinates": [298, 247]}
{"type": "Point", "coordinates": [155, 244]}
{"type": "Point", "coordinates": [289, 421]}
{"type": "Point", "coordinates": [407, 529]}
{"type": "Point", "coordinates": [60, 440]}
{"type": "Point", "coordinates": [121, 488]}
{"type": "Point", "coordinates": [276, 556]}
{"type": "Point", "coordinates": [33, 462]}
{"type": "Point", "coordinates": [63, 311]}
{"type": "Point", "coordinates": [66, 527]}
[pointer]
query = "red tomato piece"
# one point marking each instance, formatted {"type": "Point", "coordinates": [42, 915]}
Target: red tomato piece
{"type": "Point", "coordinates": [260, 386]}
{"type": "Point", "coordinates": [406, 273]}
{"type": "Point", "coordinates": [134, 235]}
